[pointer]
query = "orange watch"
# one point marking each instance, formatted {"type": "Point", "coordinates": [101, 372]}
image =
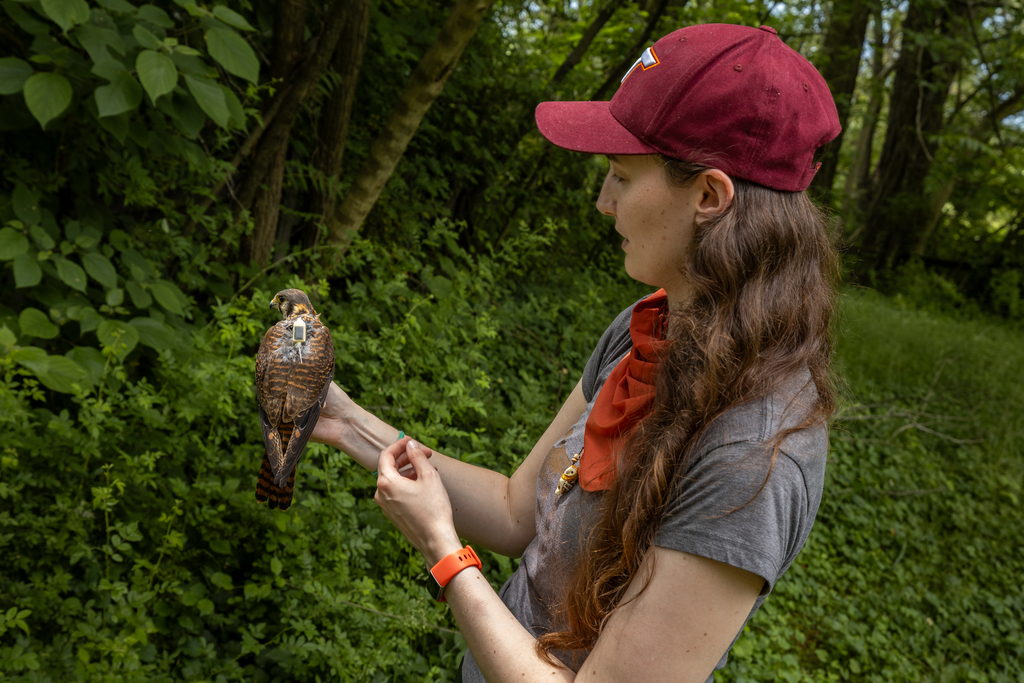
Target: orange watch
{"type": "Point", "coordinates": [450, 565]}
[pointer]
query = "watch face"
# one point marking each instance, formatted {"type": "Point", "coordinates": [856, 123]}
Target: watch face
{"type": "Point", "coordinates": [435, 589]}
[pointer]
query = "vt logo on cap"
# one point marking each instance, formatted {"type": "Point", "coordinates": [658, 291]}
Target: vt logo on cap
{"type": "Point", "coordinates": [647, 60]}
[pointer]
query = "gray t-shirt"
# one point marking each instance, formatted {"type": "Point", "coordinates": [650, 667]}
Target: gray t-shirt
{"type": "Point", "coordinates": [732, 463]}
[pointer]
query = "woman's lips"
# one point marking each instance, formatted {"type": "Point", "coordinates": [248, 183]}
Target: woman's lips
{"type": "Point", "coordinates": [625, 243]}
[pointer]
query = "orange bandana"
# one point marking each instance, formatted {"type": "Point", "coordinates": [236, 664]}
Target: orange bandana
{"type": "Point", "coordinates": [626, 397]}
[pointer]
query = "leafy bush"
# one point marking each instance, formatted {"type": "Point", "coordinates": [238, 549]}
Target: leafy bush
{"type": "Point", "coordinates": [138, 551]}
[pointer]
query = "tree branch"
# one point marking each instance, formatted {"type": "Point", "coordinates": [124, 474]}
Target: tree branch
{"type": "Point", "coordinates": [423, 88]}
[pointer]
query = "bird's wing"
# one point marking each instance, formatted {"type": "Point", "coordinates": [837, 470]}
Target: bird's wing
{"type": "Point", "coordinates": [314, 374]}
{"type": "Point", "coordinates": [271, 378]}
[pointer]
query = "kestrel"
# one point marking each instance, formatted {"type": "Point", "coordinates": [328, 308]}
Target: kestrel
{"type": "Point", "coordinates": [294, 371]}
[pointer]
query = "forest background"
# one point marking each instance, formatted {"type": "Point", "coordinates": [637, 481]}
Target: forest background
{"type": "Point", "coordinates": [166, 168]}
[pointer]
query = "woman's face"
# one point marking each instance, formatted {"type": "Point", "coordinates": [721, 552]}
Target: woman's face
{"type": "Point", "coordinates": [655, 218]}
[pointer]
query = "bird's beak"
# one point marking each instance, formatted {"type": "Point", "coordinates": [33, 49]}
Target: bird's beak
{"type": "Point", "coordinates": [273, 303]}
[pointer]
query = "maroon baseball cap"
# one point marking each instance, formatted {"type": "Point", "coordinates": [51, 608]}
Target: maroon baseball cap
{"type": "Point", "coordinates": [733, 97]}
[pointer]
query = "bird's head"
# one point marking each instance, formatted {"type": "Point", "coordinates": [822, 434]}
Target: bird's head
{"type": "Point", "coordinates": [292, 302]}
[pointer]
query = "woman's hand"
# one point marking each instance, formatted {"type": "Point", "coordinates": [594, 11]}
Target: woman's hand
{"type": "Point", "coordinates": [416, 504]}
{"type": "Point", "coordinates": [331, 424]}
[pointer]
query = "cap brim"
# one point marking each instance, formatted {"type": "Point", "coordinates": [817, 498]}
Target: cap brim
{"type": "Point", "coordinates": [587, 127]}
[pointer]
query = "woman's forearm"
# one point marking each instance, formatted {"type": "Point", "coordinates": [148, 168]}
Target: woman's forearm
{"type": "Point", "coordinates": [503, 649]}
{"type": "Point", "coordinates": [479, 496]}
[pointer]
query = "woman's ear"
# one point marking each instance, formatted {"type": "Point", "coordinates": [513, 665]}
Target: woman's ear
{"type": "Point", "coordinates": [717, 192]}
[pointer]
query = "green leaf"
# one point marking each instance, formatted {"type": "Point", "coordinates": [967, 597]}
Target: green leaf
{"type": "Point", "coordinates": [157, 73]}
{"type": "Point", "coordinates": [70, 273]}
{"type": "Point", "coordinates": [275, 565]}
{"type": "Point", "coordinates": [27, 272]}
{"type": "Point", "coordinates": [41, 237]}
{"type": "Point", "coordinates": [55, 372]}
{"type": "Point", "coordinates": [140, 297]}
{"type": "Point", "coordinates": [168, 296]}
{"type": "Point", "coordinates": [192, 65]}
{"type": "Point", "coordinates": [90, 319]}
{"type": "Point", "coordinates": [115, 297]}
{"type": "Point", "coordinates": [155, 334]}
{"type": "Point", "coordinates": [27, 22]}
{"type": "Point", "coordinates": [13, 74]}
{"type": "Point", "coordinates": [96, 40]}
{"type": "Point", "coordinates": [47, 95]}
{"type": "Point", "coordinates": [188, 117]}
{"type": "Point", "coordinates": [32, 358]}
{"type": "Point", "coordinates": [146, 38]}
{"type": "Point", "coordinates": [63, 374]}
{"type": "Point", "coordinates": [233, 53]}
{"type": "Point", "coordinates": [155, 16]}
{"type": "Point", "coordinates": [119, 6]}
{"type": "Point", "coordinates": [34, 323]}
{"type": "Point", "coordinates": [123, 94]}
{"type": "Point", "coordinates": [12, 243]}
{"type": "Point", "coordinates": [119, 336]}
{"type": "Point", "coordinates": [190, 7]}
{"type": "Point", "coordinates": [116, 125]}
{"type": "Point", "coordinates": [232, 18]}
{"type": "Point", "coordinates": [100, 269]}
{"type": "Point", "coordinates": [7, 338]}
{"type": "Point", "coordinates": [67, 13]}
{"type": "Point", "coordinates": [110, 69]}
{"type": "Point", "coordinates": [210, 98]}
{"type": "Point", "coordinates": [220, 545]}
{"type": "Point", "coordinates": [205, 606]}
{"type": "Point", "coordinates": [26, 205]}
{"type": "Point", "coordinates": [91, 359]}
{"type": "Point", "coordinates": [237, 114]}
{"type": "Point", "coordinates": [221, 580]}
{"type": "Point", "coordinates": [87, 239]}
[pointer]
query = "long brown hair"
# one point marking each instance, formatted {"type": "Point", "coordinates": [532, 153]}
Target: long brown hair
{"type": "Point", "coordinates": [764, 275]}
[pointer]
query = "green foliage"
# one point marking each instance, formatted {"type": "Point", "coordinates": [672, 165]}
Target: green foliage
{"type": "Point", "coordinates": [97, 50]}
{"type": "Point", "coordinates": [137, 490]}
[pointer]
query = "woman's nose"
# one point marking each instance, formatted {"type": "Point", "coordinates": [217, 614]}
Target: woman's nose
{"type": "Point", "coordinates": [606, 200]}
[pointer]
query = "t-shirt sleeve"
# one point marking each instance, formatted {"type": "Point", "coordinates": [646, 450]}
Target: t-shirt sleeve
{"type": "Point", "coordinates": [711, 513]}
{"type": "Point", "coordinates": [613, 344]}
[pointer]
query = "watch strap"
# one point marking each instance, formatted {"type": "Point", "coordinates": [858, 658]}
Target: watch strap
{"type": "Point", "coordinates": [450, 565]}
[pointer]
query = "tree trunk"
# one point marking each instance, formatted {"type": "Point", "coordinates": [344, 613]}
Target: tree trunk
{"type": "Point", "coordinates": [289, 24]}
{"type": "Point", "coordinates": [424, 86]}
{"type": "Point", "coordinates": [859, 175]}
{"type": "Point", "coordinates": [987, 126]}
{"type": "Point", "coordinates": [277, 133]}
{"type": "Point", "coordinates": [347, 60]}
{"type": "Point", "coordinates": [839, 64]}
{"type": "Point", "coordinates": [655, 12]}
{"type": "Point", "coordinates": [924, 73]}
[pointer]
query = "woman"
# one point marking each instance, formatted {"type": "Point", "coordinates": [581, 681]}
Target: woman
{"type": "Point", "coordinates": [700, 416]}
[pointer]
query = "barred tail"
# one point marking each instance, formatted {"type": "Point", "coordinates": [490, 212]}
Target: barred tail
{"type": "Point", "coordinates": [265, 482]}
{"type": "Point", "coordinates": [284, 494]}
{"type": "Point", "coordinates": [276, 497]}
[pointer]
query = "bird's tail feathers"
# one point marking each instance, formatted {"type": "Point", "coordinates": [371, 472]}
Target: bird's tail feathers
{"type": "Point", "coordinates": [276, 497]}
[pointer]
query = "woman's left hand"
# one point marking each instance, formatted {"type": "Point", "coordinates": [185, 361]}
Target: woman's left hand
{"type": "Point", "coordinates": [418, 506]}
